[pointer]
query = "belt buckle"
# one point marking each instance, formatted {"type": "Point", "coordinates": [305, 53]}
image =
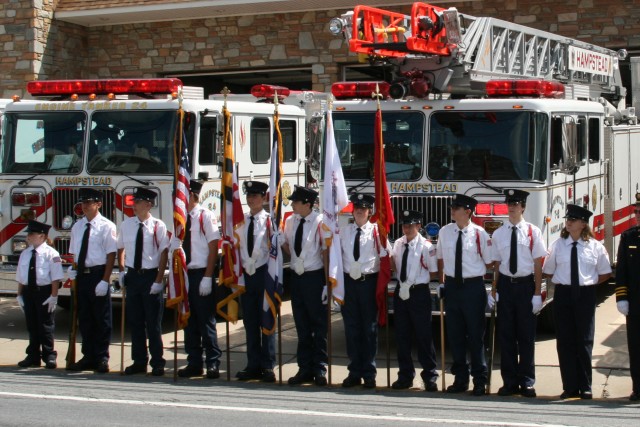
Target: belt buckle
{"type": "Point", "coordinates": [86, 270]}
{"type": "Point", "coordinates": [363, 277]}
{"type": "Point", "coordinates": [514, 279]}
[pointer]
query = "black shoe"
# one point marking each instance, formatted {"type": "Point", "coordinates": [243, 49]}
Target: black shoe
{"type": "Point", "coordinates": [301, 378]}
{"type": "Point", "coordinates": [83, 364]}
{"type": "Point", "coordinates": [351, 382]}
{"type": "Point", "coordinates": [103, 367]}
{"type": "Point", "coordinates": [29, 362]}
{"type": "Point", "coordinates": [458, 387]}
{"type": "Point", "coordinates": [528, 391]}
{"type": "Point", "coordinates": [320, 380]}
{"type": "Point", "coordinates": [507, 391]}
{"type": "Point", "coordinates": [136, 368]}
{"type": "Point", "coordinates": [213, 373]}
{"type": "Point", "coordinates": [268, 376]}
{"type": "Point", "coordinates": [158, 371]}
{"type": "Point", "coordinates": [430, 386]}
{"type": "Point", "coordinates": [249, 374]}
{"type": "Point", "coordinates": [479, 390]}
{"type": "Point", "coordinates": [634, 397]}
{"type": "Point", "coordinates": [586, 395]}
{"type": "Point", "coordinates": [402, 384]}
{"type": "Point", "coordinates": [569, 394]}
{"type": "Point", "coordinates": [369, 383]}
{"type": "Point", "coordinates": [190, 371]}
{"type": "Point", "coordinates": [51, 364]}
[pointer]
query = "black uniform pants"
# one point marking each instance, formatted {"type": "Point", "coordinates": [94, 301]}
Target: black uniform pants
{"type": "Point", "coordinates": [633, 340]}
{"type": "Point", "coordinates": [360, 315]}
{"type": "Point", "coordinates": [200, 333]}
{"type": "Point", "coordinates": [413, 324]}
{"type": "Point", "coordinates": [40, 323]}
{"type": "Point", "coordinates": [94, 317]}
{"type": "Point", "coordinates": [261, 348]}
{"type": "Point", "coordinates": [466, 322]}
{"type": "Point", "coordinates": [516, 332]}
{"type": "Point", "coordinates": [144, 317]}
{"type": "Point", "coordinates": [310, 318]}
{"type": "Point", "coordinates": [575, 327]}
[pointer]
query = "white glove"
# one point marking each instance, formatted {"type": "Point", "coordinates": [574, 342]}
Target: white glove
{"type": "Point", "coordinates": [280, 238]}
{"type": "Point", "coordinates": [441, 291]}
{"type": "Point", "coordinates": [51, 302]}
{"type": "Point", "coordinates": [175, 244]}
{"type": "Point", "coordinates": [121, 278]}
{"type": "Point", "coordinates": [102, 288]}
{"type": "Point", "coordinates": [205, 286]}
{"type": "Point", "coordinates": [156, 288]}
{"type": "Point", "coordinates": [536, 302]}
{"type": "Point", "coordinates": [20, 300]}
{"type": "Point", "coordinates": [325, 295]}
{"type": "Point", "coordinates": [623, 307]}
{"type": "Point", "coordinates": [71, 273]}
{"type": "Point", "coordinates": [491, 301]}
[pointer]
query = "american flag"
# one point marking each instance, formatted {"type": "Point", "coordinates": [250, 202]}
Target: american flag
{"type": "Point", "coordinates": [178, 281]}
{"type": "Point", "coordinates": [273, 281]}
{"type": "Point", "coordinates": [231, 274]}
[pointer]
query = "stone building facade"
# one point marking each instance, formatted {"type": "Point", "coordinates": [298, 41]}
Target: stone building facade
{"type": "Point", "coordinates": [37, 45]}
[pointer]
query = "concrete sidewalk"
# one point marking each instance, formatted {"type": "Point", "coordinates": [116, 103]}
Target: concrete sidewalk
{"type": "Point", "coordinates": [610, 358]}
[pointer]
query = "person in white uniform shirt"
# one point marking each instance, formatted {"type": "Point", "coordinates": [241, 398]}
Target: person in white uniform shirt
{"type": "Point", "coordinates": [576, 263]}
{"type": "Point", "coordinates": [254, 251]}
{"type": "Point", "coordinates": [305, 242]}
{"type": "Point", "coordinates": [361, 251]}
{"type": "Point", "coordinates": [518, 250]}
{"type": "Point", "coordinates": [200, 247]}
{"type": "Point", "coordinates": [39, 274]}
{"type": "Point", "coordinates": [93, 245]}
{"type": "Point", "coordinates": [464, 254]}
{"type": "Point", "coordinates": [414, 261]}
{"type": "Point", "coordinates": [143, 246]}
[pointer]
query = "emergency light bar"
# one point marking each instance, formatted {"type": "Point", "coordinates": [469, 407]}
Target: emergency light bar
{"type": "Point", "coordinates": [103, 87]}
{"type": "Point", "coordinates": [492, 209]}
{"type": "Point", "coordinates": [346, 90]}
{"type": "Point", "coordinates": [536, 88]}
{"type": "Point", "coordinates": [269, 91]}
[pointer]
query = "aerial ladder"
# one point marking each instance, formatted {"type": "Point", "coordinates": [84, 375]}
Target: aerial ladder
{"type": "Point", "coordinates": [437, 50]}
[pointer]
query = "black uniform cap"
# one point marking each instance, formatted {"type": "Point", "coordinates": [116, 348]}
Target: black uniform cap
{"type": "Point", "coordinates": [578, 212]}
{"type": "Point", "coordinates": [515, 195]}
{"type": "Point", "coordinates": [255, 187]}
{"type": "Point", "coordinates": [411, 217]}
{"type": "Point", "coordinates": [362, 200]}
{"type": "Point", "coordinates": [463, 201]}
{"type": "Point", "coordinates": [142, 193]}
{"type": "Point", "coordinates": [38, 227]}
{"type": "Point", "coordinates": [89, 195]}
{"type": "Point", "coordinates": [195, 186]}
{"type": "Point", "coordinates": [303, 194]}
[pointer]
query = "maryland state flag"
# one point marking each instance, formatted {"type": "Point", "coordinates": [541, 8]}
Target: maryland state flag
{"type": "Point", "coordinates": [383, 216]}
{"type": "Point", "coordinates": [273, 287]}
{"type": "Point", "coordinates": [178, 297]}
{"type": "Point", "coordinates": [334, 199]}
{"type": "Point", "coordinates": [231, 275]}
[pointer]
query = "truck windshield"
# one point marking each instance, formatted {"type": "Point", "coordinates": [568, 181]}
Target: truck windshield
{"type": "Point", "coordinates": [43, 142]}
{"type": "Point", "coordinates": [494, 145]}
{"type": "Point", "coordinates": [403, 136]}
{"type": "Point", "coordinates": [132, 142]}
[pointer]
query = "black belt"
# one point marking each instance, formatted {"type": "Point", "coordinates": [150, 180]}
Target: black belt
{"type": "Point", "coordinates": [94, 269]}
{"type": "Point", "coordinates": [466, 279]}
{"type": "Point", "coordinates": [523, 279]}
{"type": "Point", "coordinates": [39, 288]}
{"type": "Point", "coordinates": [142, 270]}
{"type": "Point", "coordinates": [417, 285]}
{"type": "Point", "coordinates": [362, 277]}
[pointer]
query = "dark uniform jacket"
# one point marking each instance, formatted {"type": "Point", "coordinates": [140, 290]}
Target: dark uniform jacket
{"type": "Point", "coordinates": [628, 270]}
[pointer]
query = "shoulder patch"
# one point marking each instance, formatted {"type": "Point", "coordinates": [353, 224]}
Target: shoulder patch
{"type": "Point", "coordinates": [56, 259]}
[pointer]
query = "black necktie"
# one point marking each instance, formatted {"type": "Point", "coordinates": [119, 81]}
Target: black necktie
{"type": "Point", "coordinates": [84, 248]}
{"type": "Point", "coordinates": [297, 243]}
{"type": "Point", "coordinates": [356, 245]}
{"type": "Point", "coordinates": [32, 270]}
{"type": "Point", "coordinates": [458, 272]}
{"type": "Point", "coordinates": [513, 256]}
{"type": "Point", "coordinates": [403, 268]}
{"type": "Point", "coordinates": [575, 276]}
{"type": "Point", "coordinates": [186, 242]}
{"type": "Point", "coordinates": [137, 260]}
{"type": "Point", "coordinates": [250, 237]}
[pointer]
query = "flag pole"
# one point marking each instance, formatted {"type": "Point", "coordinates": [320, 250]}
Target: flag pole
{"type": "Point", "coordinates": [278, 315]}
{"type": "Point", "coordinates": [175, 344]}
{"type": "Point", "coordinates": [329, 334]}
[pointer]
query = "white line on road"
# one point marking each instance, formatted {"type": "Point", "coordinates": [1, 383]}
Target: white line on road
{"type": "Point", "coordinates": [274, 411]}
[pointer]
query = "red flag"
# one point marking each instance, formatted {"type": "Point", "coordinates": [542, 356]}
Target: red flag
{"type": "Point", "coordinates": [383, 217]}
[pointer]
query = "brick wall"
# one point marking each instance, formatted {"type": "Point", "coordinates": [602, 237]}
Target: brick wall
{"type": "Point", "coordinates": [35, 46]}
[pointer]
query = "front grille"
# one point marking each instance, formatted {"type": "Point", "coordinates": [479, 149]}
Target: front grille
{"type": "Point", "coordinates": [65, 199]}
{"type": "Point", "coordinates": [434, 209]}
{"type": "Point", "coordinates": [61, 244]}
